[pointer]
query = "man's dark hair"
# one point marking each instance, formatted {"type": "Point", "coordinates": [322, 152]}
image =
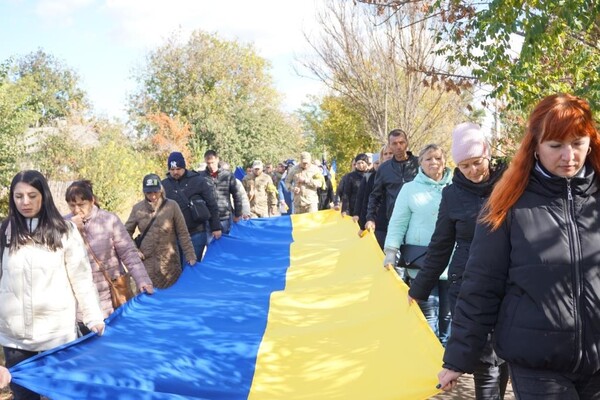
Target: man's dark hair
{"type": "Point", "coordinates": [397, 132]}
{"type": "Point", "coordinates": [210, 153]}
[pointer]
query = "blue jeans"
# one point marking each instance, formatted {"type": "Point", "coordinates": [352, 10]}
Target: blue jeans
{"type": "Point", "coordinates": [536, 384]}
{"type": "Point", "coordinates": [436, 310]}
{"type": "Point", "coordinates": [225, 229]}
{"type": "Point", "coordinates": [199, 243]}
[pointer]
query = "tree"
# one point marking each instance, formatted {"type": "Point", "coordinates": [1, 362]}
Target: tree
{"type": "Point", "coordinates": [523, 49]}
{"type": "Point", "coordinates": [56, 155]}
{"type": "Point", "coordinates": [382, 69]}
{"type": "Point", "coordinates": [338, 131]}
{"type": "Point", "coordinates": [223, 90]}
{"type": "Point", "coordinates": [55, 92]}
{"type": "Point", "coordinates": [169, 134]}
{"type": "Point", "coordinates": [115, 169]}
{"type": "Point", "coordinates": [14, 119]}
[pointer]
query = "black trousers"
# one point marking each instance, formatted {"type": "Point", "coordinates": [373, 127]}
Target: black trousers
{"type": "Point", "coordinates": [13, 357]}
{"type": "Point", "coordinates": [536, 384]}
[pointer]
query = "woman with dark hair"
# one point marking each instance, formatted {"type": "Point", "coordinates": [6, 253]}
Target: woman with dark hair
{"type": "Point", "coordinates": [45, 276]}
{"type": "Point", "coordinates": [533, 274]}
{"type": "Point", "coordinates": [107, 242]}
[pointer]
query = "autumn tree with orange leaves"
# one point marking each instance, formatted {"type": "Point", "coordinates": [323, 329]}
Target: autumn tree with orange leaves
{"type": "Point", "coordinates": [169, 134]}
{"type": "Point", "coordinates": [203, 92]}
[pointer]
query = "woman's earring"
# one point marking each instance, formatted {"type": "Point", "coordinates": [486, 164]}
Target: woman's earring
{"type": "Point", "coordinates": [535, 155]}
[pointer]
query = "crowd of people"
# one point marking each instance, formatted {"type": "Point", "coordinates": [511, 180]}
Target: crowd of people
{"type": "Point", "coordinates": [501, 259]}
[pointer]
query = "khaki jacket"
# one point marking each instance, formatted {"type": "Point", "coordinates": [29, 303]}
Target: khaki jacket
{"type": "Point", "coordinates": [159, 247]}
{"type": "Point", "coordinates": [308, 180]}
{"type": "Point", "coordinates": [262, 194]}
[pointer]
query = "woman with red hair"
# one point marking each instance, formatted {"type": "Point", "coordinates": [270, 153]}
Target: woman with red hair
{"type": "Point", "coordinates": [533, 274]}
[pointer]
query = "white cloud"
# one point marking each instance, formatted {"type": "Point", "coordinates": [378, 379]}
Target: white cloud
{"type": "Point", "coordinates": [274, 26]}
{"type": "Point", "coordinates": [60, 12]}
{"type": "Point", "coordinates": [128, 28]}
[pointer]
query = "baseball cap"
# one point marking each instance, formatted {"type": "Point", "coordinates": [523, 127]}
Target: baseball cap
{"type": "Point", "coordinates": [257, 164]}
{"type": "Point", "coordinates": [151, 183]}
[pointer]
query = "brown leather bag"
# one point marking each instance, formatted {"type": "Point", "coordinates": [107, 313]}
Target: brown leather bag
{"type": "Point", "coordinates": [120, 287]}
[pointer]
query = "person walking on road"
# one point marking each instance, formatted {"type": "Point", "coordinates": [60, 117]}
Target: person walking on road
{"type": "Point", "coordinates": [474, 178]}
{"type": "Point", "coordinates": [186, 186]}
{"type": "Point", "coordinates": [533, 274]}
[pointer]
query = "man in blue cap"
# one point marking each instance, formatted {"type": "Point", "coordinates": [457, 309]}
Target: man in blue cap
{"type": "Point", "coordinates": [194, 194]}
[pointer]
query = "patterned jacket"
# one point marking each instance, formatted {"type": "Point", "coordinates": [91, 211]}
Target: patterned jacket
{"type": "Point", "coordinates": [262, 194]}
{"type": "Point", "coordinates": [311, 178]}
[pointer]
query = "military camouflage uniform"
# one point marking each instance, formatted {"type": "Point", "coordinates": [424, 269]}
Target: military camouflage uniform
{"type": "Point", "coordinates": [308, 181]}
{"type": "Point", "coordinates": [262, 195]}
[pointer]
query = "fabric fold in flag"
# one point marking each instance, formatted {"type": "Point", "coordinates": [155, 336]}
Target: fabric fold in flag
{"type": "Point", "coordinates": [290, 307]}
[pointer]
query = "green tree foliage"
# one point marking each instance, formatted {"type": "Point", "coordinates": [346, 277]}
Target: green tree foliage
{"type": "Point", "coordinates": [523, 49]}
{"type": "Point", "coordinates": [223, 90]}
{"type": "Point", "coordinates": [560, 46]}
{"type": "Point", "coordinates": [115, 169]}
{"type": "Point", "coordinates": [338, 131]}
{"type": "Point", "coordinates": [55, 92]}
{"type": "Point", "coordinates": [56, 155]}
{"type": "Point", "coordinates": [39, 91]}
{"type": "Point", "coordinates": [14, 119]}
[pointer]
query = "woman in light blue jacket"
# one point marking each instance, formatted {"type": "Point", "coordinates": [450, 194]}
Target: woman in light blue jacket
{"type": "Point", "coordinates": [413, 222]}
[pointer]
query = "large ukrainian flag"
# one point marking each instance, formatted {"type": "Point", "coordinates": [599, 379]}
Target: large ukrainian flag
{"type": "Point", "coordinates": [285, 308]}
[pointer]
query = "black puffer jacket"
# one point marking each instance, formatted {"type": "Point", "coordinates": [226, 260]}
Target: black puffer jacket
{"type": "Point", "coordinates": [190, 185]}
{"type": "Point", "coordinates": [454, 229]}
{"type": "Point", "coordinates": [536, 281]}
{"type": "Point", "coordinates": [225, 189]}
{"type": "Point", "coordinates": [390, 177]}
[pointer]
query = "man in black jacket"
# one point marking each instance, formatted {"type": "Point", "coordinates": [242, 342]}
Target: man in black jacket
{"type": "Point", "coordinates": [391, 176]}
{"type": "Point", "coordinates": [185, 186]}
{"type": "Point", "coordinates": [225, 189]}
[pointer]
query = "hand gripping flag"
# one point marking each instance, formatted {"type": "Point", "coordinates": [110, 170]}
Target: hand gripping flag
{"type": "Point", "coordinates": [284, 308]}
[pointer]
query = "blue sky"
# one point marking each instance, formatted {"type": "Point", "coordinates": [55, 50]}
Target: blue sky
{"type": "Point", "coordinates": [104, 40]}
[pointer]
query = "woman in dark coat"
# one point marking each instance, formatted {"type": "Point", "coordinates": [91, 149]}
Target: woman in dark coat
{"type": "Point", "coordinates": [533, 275]}
{"type": "Point", "coordinates": [472, 183]}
